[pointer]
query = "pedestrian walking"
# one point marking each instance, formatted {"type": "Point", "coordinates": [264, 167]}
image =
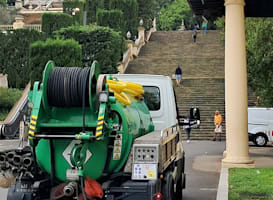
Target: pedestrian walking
{"type": "Point", "coordinates": [178, 75]}
{"type": "Point", "coordinates": [218, 125]}
{"type": "Point", "coordinates": [194, 36]}
{"type": "Point", "coordinates": [195, 27]}
{"type": "Point", "coordinates": [187, 128]}
{"type": "Point", "coordinates": [204, 26]}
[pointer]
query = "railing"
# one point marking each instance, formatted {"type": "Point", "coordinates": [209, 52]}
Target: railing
{"type": "Point", "coordinates": [135, 47]}
{"type": "Point", "coordinates": [37, 27]}
{"type": "Point", "coordinates": [4, 28]}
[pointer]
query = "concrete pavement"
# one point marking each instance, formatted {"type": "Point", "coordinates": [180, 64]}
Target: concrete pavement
{"type": "Point", "coordinates": [203, 165]}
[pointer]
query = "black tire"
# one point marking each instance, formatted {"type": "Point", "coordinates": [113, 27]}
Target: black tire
{"type": "Point", "coordinates": [168, 187]}
{"type": "Point", "coordinates": [260, 139]}
{"type": "Point", "coordinates": [179, 188]}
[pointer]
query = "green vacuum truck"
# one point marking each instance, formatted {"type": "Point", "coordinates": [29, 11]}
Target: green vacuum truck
{"type": "Point", "coordinates": [95, 136]}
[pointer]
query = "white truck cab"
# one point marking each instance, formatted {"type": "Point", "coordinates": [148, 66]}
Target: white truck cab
{"type": "Point", "coordinates": [260, 125]}
{"type": "Point", "coordinates": [159, 97]}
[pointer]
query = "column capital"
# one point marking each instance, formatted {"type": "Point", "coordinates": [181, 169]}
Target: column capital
{"type": "Point", "coordinates": [235, 2]}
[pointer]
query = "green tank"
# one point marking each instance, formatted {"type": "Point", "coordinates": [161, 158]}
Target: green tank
{"type": "Point", "coordinates": [86, 121]}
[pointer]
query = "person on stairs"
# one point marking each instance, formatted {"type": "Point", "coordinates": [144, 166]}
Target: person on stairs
{"type": "Point", "coordinates": [194, 36]}
{"type": "Point", "coordinates": [178, 75]}
{"type": "Point", "coordinates": [218, 125]}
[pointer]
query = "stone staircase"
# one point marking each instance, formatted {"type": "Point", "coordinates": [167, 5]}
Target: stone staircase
{"type": "Point", "coordinates": [203, 72]}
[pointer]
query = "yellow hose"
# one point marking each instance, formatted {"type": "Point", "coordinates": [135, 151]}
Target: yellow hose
{"type": "Point", "coordinates": [122, 89]}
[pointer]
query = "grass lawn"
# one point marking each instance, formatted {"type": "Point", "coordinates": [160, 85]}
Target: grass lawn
{"type": "Point", "coordinates": [250, 184]}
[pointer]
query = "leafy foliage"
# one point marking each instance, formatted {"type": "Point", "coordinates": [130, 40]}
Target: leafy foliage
{"type": "Point", "coordinates": [98, 43]}
{"type": "Point", "coordinates": [7, 16]}
{"type": "Point", "coordinates": [259, 47]}
{"type": "Point", "coordinates": [3, 3]}
{"type": "Point", "coordinates": [259, 51]}
{"type": "Point", "coordinates": [65, 53]}
{"type": "Point", "coordinates": [14, 52]}
{"type": "Point", "coordinates": [55, 21]}
{"type": "Point", "coordinates": [69, 5]}
{"type": "Point", "coordinates": [146, 12]}
{"type": "Point", "coordinates": [172, 15]}
{"type": "Point", "coordinates": [111, 18]}
{"type": "Point", "coordinates": [91, 7]}
{"type": "Point", "coordinates": [8, 97]}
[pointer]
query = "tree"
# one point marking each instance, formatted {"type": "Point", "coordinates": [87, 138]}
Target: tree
{"type": "Point", "coordinates": [6, 16]}
{"type": "Point", "coordinates": [170, 17]}
{"type": "Point", "coordinates": [146, 12]}
{"type": "Point", "coordinates": [259, 47]}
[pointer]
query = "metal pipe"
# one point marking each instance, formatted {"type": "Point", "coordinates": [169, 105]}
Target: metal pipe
{"type": "Point", "coordinates": [17, 160]}
{"type": "Point", "coordinates": [27, 161]}
{"type": "Point", "coordinates": [14, 170]}
{"type": "Point", "coordinates": [2, 158]}
{"type": "Point", "coordinates": [10, 155]}
{"type": "Point", "coordinates": [69, 189]}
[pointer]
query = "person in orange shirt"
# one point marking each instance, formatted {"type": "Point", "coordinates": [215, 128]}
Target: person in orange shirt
{"type": "Point", "coordinates": [218, 125]}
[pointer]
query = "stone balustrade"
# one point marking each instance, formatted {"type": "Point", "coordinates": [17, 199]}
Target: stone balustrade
{"type": "Point", "coordinates": [4, 80]}
{"type": "Point", "coordinates": [134, 47]}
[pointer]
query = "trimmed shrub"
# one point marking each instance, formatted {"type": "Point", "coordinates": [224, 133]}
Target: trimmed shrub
{"type": "Point", "coordinates": [106, 4]}
{"type": "Point", "coordinates": [8, 97]}
{"type": "Point", "coordinates": [91, 7]}
{"type": "Point", "coordinates": [69, 5]}
{"type": "Point", "coordinates": [111, 18]}
{"type": "Point", "coordinates": [14, 52]}
{"type": "Point", "coordinates": [65, 53]}
{"type": "Point", "coordinates": [98, 43]}
{"type": "Point", "coordinates": [55, 21]}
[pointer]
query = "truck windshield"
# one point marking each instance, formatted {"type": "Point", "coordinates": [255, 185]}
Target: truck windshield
{"type": "Point", "coordinates": [152, 97]}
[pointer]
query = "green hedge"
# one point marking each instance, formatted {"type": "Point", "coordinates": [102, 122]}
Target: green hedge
{"type": "Point", "coordinates": [91, 8]}
{"type": "Point", "coordinates": [98, 43]}
{"type": "Point", "coordinates": [8, 97]}
{"type": "Point", "coordinates": [130, 14]}
{"type": "Point", "coordinates": [111, 18]}
{"type": "Point", "coordinates": [69, 5]}
{"type": "Point", "coordinates": [65, 53]}
{"type": "Point", "coordinates": [55, 21]}
{"type": "Point", "coordinates": [14, 55]}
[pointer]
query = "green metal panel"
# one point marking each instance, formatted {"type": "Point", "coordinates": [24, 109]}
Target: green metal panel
{"type": "Point", "coordinates": [135, 120]}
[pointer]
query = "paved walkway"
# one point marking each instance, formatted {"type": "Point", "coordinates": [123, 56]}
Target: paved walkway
{"type": "Point", "coordinates": [203, 166]}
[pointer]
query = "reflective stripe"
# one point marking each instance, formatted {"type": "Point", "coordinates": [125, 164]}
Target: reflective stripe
{"type": "Point", "coordinates": [31, 133]}
{"type": "Point", "coordinates": [99, 128]}
{"type": "Point", "coordinates": [100, 117]}
{"type": "Point", "coordinates": [34, 117]}
{"type": "Point", "coordinates": [33, 122]}
{"type": "Point", "coordinates": [100, 122]}
{"type": "Point", "coordinates": [32, 127]}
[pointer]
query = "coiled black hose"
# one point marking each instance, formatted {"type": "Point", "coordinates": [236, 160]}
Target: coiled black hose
{"type": "Point", "coordinates": [66, 87]}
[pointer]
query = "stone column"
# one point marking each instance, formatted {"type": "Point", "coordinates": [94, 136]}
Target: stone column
{"type": "Point", "coordinates": [19, 22]}
{"type": "Point", "coordinates": [237, 151]}
{"type": "Point", "coordinates": [141, 34]}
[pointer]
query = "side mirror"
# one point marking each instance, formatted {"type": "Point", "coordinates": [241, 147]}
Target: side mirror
{"type": "Point", "coordinates": [194, 113]}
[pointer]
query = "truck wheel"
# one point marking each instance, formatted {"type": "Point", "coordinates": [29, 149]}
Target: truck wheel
{"type": "Point", "coordinates": [179, 188]}
{"type": "Point", "coordinates": [168, 187]}
{"type": "Point", "coordinates": [260, 139]}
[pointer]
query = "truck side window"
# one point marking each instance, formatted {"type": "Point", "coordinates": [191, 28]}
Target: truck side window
{"type": "Point", "coordinates": [152, 97]}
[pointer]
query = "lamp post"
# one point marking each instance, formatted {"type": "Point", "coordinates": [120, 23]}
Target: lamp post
{"type": "Point", "coordinates": [128, 35]}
